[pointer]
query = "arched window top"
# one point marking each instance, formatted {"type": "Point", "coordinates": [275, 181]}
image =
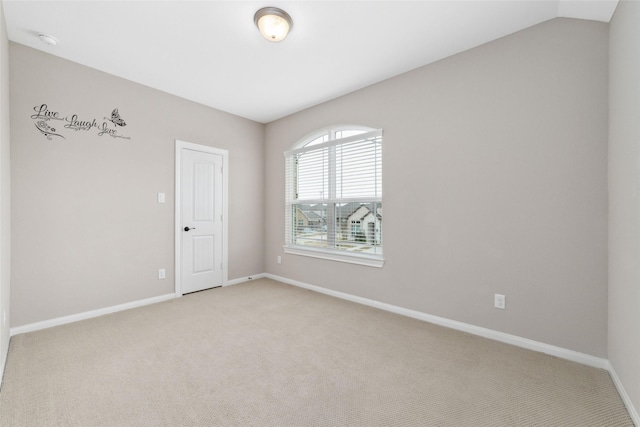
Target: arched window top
{"type": "Point", "coordinates": [330, 134]}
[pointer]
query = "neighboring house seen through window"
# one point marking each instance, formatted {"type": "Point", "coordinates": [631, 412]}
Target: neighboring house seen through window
{"type": "Point", "coordinates": [334, 196]}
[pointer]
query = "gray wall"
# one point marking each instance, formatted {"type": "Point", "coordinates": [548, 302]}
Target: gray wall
{"type": "Point", "coordinates": [88, 232]}
{"type": "Point", "coordinates": [495, 171]}
{"type": "Point", "coordinates": [5, 193]}
{"type": "Point", "coordinates": [624, 205]}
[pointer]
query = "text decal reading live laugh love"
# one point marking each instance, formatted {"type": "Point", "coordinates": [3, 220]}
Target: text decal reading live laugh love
{"type": "Point", "coordinates": [46, 122]}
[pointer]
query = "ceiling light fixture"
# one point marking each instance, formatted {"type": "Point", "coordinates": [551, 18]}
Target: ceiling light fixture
{"type": "Point", "coordinates": [47, 39]}
{"type": "Point", "coordinates": [274, 23]}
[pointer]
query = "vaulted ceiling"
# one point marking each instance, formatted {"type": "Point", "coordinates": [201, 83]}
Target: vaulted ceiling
{"type": "Point", "coordinates": [212, 53]}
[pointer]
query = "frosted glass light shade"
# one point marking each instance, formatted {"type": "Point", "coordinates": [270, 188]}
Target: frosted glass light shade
{"type": "Point", "coordinates": [274, 24]}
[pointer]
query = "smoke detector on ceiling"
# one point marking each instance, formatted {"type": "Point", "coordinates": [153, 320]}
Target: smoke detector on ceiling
{"type": "Point", "coordinates": [48, 39]}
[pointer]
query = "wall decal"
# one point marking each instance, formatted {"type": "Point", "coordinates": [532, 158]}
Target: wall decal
{"type": "Point", "coordinates": [44, 118]}
{"type": "Point", "coordinates": [47, 130]}
{"type": "Point", "coordinates": [116, 119]}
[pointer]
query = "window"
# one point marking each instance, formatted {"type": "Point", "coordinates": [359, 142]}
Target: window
{"type": "Point", "coordinates": [334, 196]}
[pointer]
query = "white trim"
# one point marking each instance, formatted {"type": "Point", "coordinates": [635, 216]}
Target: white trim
{"type": "Point", "coordinates": [245, 279]}
{"type": "Point", "coordinates": [108, 310]}
{"type": "Point", "coordinates": [180, 145]}
{"type": "Point", "coordinates": [351, 258]}
{"type": "Point", "coordinates": [31, 327]}
{"type": "Point", "coordinates": [563, 353]}
{"type": "Point", "coordinates": [633, 413]}
{"type": "Point", "coordinates": [4, 361]}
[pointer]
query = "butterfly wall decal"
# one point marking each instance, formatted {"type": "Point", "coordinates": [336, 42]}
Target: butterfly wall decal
{"type": "Point", "coordinates": [116, 119]}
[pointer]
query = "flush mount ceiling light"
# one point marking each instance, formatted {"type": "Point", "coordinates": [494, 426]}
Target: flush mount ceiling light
{"type": "Point", "coordinates": [47, 39]}
{"type": "Point", "coordinates": [274, 24]}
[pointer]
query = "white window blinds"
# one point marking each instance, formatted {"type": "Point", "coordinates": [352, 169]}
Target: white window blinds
{"type": "Point", "coordinates": [334, 195]}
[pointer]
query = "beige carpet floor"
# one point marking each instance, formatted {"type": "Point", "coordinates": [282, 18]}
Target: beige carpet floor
{"type": "Point", "coordinates": [264, 353]}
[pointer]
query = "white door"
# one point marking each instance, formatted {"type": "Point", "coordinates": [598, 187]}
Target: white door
{"type": "Point", "coordinates": [201, 214]}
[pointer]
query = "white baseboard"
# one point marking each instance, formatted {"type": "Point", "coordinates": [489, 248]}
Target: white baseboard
{"type": "Point", "coordinates": [107, 310]}
{"type": "Point", "coordinates": [574, 356]}
{"type": "Point", "coordinates": [633, 413]}
{"type": "Point", "coordinates": [563, 353]}
{"type": "Point", "coordinates": [31, 327]}
{"type": "Point", "coordinates": [4, 363]}
{"type": "Point", "coordinates": [244, 279]}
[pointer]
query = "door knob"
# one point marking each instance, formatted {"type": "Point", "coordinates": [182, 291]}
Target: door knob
{"type": "Point", "coordinates": [187, 228]}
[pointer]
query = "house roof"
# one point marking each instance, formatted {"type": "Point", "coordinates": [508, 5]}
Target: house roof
{"type": "Point", "coordinates": [346, 210]}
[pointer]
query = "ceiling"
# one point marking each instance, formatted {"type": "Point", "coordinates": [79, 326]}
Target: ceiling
{"type": "Point", "coordinates": [211, 52]}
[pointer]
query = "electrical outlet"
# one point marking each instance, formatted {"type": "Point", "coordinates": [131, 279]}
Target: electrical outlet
{"type": "Point", "coordinates": [279, 259]}
{"type": "Point", "coordinates": [162, 273]}
{"type": "Point", "coordinates": [499, 301]}
{"type": "Point", "coordinates": [161, 198]}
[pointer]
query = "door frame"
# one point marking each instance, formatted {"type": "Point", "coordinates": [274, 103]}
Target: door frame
{"type": "Point", "coordinates": [181, 145]}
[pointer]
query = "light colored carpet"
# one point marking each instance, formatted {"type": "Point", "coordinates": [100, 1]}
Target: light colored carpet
{"type": "Point", "coordinates": [264, 353]}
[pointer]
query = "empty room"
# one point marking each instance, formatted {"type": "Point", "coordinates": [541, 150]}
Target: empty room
{"type": "Point", "coordinates": [320, 213]}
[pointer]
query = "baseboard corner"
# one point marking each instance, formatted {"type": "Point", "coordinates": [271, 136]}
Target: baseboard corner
{"type": "Point", "coordinates": [245, 279]}
{"type": "Point", "coordinates": [4, 363]}
{"type": "Point", "coordinates": [631, 409]}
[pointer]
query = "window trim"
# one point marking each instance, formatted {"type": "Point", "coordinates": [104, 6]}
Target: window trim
{"type": "Point", "coordinates": [336, 255]}
{"type": "Point", "coordinates": [371, 260]}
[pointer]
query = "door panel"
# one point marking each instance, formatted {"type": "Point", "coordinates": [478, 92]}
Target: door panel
{"type": "Point", "coordinates": [201, 213]}
{"type": "Point", "coordinates": [203, 191]}
{"type": "Point", "coordinates": [203, 254]}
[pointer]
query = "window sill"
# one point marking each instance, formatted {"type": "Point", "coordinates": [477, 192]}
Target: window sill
{"type": "Point", "coordinates": [360, 259]}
